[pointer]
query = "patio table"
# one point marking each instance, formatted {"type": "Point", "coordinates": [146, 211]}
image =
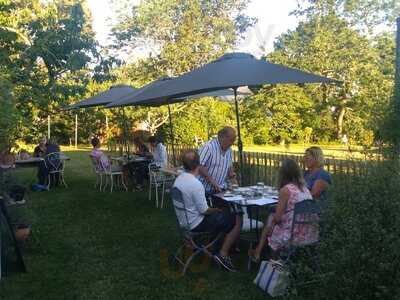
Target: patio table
{"type": "Point", "coordinates": [244, 197]}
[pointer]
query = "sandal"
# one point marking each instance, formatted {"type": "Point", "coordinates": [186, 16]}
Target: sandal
{"type": "Point", "coordinates": [252, 256]}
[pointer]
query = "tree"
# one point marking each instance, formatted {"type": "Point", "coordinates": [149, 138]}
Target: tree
{"type": "Point", "coordinates": [185, 34]}
{"type": "Point", "coordinates": [326, 44]}
{"type": "Point", "coordinates": [46, 51]}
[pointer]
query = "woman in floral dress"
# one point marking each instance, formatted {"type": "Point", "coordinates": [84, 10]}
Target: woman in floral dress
{"type": "Point", "coordinates": [278, 229]}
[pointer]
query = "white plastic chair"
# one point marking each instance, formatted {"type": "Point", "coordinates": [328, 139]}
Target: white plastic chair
{"type": "Point", "coordinates": [158, 180]}
{"type": "Point", "coordinates": [109, 174]}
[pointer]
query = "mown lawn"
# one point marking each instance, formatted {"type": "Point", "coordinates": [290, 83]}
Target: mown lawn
{"type": "Point", "coordinates": [97, 245]}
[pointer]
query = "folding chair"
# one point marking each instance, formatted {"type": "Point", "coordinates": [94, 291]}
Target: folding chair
{"type": "Point", "coordinates": [189, 238]}
{"type": "Point", "coordinates": [158, 180]}
{"type": "Point", "coordinates": [55, 166]}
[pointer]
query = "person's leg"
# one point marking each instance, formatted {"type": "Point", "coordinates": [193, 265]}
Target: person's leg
{"type": "Point", "coordinates": [232, 236]}
{"type": "Point", "coordinates": [256, 253]}
{"type": "Point", "coordinates": [42, 173]}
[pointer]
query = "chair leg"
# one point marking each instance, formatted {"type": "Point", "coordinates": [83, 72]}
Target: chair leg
{"type": "Point", "coordinates": [112, 182]}
{"type": "Point", "coordinates": [105, 182]}
{"type": "Point", "coordinates": [156, 191]}
{"type": "Point", "coordinates": [101, 181]}
{"type": "Point", "coordinates": [62, 179]}
{"type": "Point", "coordinates": [150, 186]}
{"type": "Point", "coordinates": [48, 181]}
{"type": "Point", "coordinates": [123, 182]}
{"type": "Point", "coordinates": [162, 196]}
{"type": "Point", "coordinates": [189, 260]}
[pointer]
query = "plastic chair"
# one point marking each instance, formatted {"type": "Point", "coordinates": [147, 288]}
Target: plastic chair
{"type": "Point", "coordinates": [55, 166]}
{"type": "Point", "coordinates": [188, 237]}
{"type": "Point", "coordinates": [109, 174]}
{"type": "Point", "coordinates": [158, 180]}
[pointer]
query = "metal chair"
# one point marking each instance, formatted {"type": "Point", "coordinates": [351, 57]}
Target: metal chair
{"type": "Point", "coordinates": [189, 238]}
{"type": "Point", "coordinates": [98, 171]}
{"type": "Point", "coordinates": [305, 213]}
{"type": "Point", "coordinates": [109, 174]}
{"type": "Point", "coordinates": [55, 166]}
{"type": "Point", "coordinates": [158, 180]}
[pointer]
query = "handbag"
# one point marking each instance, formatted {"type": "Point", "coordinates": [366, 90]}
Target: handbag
{"type": "Point", "coordinates": [273, 278]}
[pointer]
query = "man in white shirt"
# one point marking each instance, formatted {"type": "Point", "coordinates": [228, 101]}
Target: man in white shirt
{"type": "Point", "coordinates": [160, 155]}
{"type": "Point", "coordinates": [201, 217]}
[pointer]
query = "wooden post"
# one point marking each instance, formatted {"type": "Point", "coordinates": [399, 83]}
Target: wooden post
{"type": "Point", "coordinates": [76, 131]}
{"type": "Point", "coordinates": [106, 127]}
{"type": "Point", "coordinates": [397, 88]}
{"type": "Point", "coordinates": [48, 127]}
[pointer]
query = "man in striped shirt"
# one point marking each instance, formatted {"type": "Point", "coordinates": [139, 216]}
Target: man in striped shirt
{"type": "Point", "coordinates": [216, 161]}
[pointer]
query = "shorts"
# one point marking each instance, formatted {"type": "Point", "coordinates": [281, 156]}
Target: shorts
{"type": "Point", "coordinates": [215, 223]}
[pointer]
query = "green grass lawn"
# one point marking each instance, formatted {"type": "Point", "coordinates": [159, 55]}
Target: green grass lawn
{"type": "Point", "coordinates": [97, 245]}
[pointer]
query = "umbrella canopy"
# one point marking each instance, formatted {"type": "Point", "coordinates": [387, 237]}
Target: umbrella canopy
{"type": "Point", "coordinates": [127, 99]}
{"type": "Point", "coordinates": [230, 71]}
{"type": "Point", "coordinates": [114, 93]}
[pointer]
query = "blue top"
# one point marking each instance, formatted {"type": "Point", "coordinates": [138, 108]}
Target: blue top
{"type": "Point", "coordinates": [311, 178]}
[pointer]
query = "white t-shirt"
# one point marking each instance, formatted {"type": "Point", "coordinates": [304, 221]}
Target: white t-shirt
{"type": "Point", "coordinates": [160, 155]}
{"type": "Point", "coordinates": [194, 196]}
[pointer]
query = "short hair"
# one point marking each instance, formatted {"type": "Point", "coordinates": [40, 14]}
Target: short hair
{"type": "Point", "coordinates": [95, 141]}
{"type": "Point", "coordinates": [190, 160]}
{"type": "Point", "coordinates": [226, 131]}
{"type": "Point", "coordinates": [317, 154]}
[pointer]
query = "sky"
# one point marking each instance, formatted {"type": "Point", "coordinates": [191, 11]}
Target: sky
{"type": "Point", "coordinates": [273, 20]}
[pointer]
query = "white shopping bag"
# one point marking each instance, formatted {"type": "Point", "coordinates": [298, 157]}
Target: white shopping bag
{"type": "Point", "coordinates": [273, 278]}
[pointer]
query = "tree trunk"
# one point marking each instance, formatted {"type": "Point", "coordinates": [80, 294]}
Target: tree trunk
{"type": "Point", "coordinates": [340, 122]}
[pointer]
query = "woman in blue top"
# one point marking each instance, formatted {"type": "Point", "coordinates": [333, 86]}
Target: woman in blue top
{"type": "Point", "coordinates": [317, 179]}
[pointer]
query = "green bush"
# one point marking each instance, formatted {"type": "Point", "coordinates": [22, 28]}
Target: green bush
{"type": "Point", "coordinates": [360, 250]}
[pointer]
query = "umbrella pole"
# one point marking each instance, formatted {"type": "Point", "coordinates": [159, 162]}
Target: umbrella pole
{"type": "Point", "coordinates": [240, 144]}
{"type": "Point", "coordinates": [171, 133]}
{"type": "Point", "coordinates": [125, 131]}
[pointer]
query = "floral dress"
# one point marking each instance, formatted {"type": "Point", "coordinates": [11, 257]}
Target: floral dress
{"type": "Point", "coordinates": [303, 233]}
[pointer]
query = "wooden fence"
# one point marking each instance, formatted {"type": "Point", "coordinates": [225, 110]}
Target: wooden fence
{"type": "Point", "coordinates": [263, 166]}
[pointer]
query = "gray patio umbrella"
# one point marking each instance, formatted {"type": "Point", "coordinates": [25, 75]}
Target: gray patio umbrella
{"type": "Point", "coordinates": [232, 70]}
{"type": "Point", "coordinates": [114, 93]}
{"type": "Point", "coordinates": [128, 100]}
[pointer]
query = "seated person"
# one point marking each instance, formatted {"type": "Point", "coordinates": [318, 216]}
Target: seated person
{"type": "Point", "coordinates": [201, 217]}
{"type": "Point", "coordinates": [50, 162]}
{"type": "Point", "coordinates": [52, 146]}
{"type": "Point", "coordinates": [101, 158]}
{"type": "Point", "coordinates": [160, 155]}
{"type": "Point", "coordinates": [40, 150]}
{"type": "Point", "coordinates": [141, 148]}
{"type": "Point", "coordinates": [317, 179]}
{"type": "Point", "coordinates": [278, 228]}
{"type": "Point", "coordinates": [7, 160]}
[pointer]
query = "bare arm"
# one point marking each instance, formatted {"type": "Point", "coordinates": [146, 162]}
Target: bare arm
{"type": "Point", "coordinates": [232, 175]}
{"type": "Point", "coordinates": [284, 195]}
{"type": "Point", "coordinates": [203, 172]}
{"type": "Point", "coordinates": [318, 188]}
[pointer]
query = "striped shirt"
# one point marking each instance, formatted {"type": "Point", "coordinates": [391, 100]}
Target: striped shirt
{"type": "Point", "coordinates": [216, 162]}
